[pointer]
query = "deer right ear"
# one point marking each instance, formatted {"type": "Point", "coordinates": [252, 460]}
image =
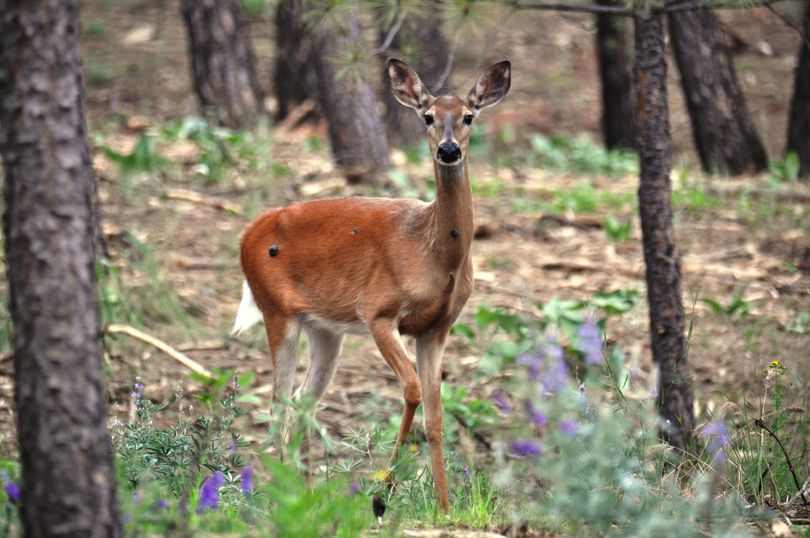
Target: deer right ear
{"type": "Point", "coordinates": [406, 86]}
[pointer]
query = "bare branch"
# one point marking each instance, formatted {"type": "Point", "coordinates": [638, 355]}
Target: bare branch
{"type": "Point", "coordinates": [768, 4]}
{"type": "Point", "coordinates": [687, 5]}
{"type": "Point", "coordinates": [392, 32]}
{"type": "Point", "coordinates": [159, 344]}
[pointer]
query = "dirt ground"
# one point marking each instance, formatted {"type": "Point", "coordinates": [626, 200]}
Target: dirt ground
{"type": "Point", "coordinates": [138, 68]}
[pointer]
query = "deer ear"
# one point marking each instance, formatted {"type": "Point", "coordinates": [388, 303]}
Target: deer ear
{"type": "Point", "coordinates": [406, 86]}
{"type": "Point", "coordinates": [492, 86]}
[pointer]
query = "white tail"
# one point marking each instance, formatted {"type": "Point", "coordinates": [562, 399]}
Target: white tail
{"type": "Point", "coordinates": [248, 314]}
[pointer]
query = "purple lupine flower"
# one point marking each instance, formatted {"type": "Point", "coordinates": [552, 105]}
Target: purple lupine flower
{"type": "Point", "coordinates": [537, 417]}
{"type": "Point", "coordinates": [247, 480]}
{"type": "Point", "coordinates": [12, 489]}
{"type": "Point", "coordinates": [467, 474]}
{"type": "Point", "coordinates": [135, 395]}
{"type": "Point", "coordinates": [209, 492]}
{"type": "Point", "coordinates": [139, 386]}
{"type": "Point", "coordinates": [526, 447]}
{"type": "Point", "coordinates": [547, 366]}
{"type": "Point", "coordinates": [501, 401]}
{"type": "Point", "coordinates": [162, 504]}
{"type": "Point", "coordinates": [354, 488]}
{"type": "Point", "coordinates": [718, 438]}
{"type": "Point", "coordinates": [569, 426]}
{"type": "Point", "coordinates": [590, 341]}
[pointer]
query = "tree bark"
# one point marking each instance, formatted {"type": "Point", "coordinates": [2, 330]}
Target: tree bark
{"type": "Point", "coordinates": [614, 47]}
{"type": "Point", "coordinates": [348, 102]}
{"type": "Point", "coordinates": [663, 273]}
{"type": "Point", "coordinates": [724, 135]}
{"type": "Point", "coordinates": [421, 42]}
{"type": "Point", "coordinates": [798, 139]}
{"type": "Point", "coordinates": [294, 79]}
{"type": "Point", "coordinates": [68, 480]}
{"type": "Point", "coordinates": [222, 63]}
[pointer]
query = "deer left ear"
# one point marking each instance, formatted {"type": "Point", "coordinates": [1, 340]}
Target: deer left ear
{"type": "Point", "coordinates": [492, 86]}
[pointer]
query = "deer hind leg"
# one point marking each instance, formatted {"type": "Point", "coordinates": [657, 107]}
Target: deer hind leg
{"type": "Point", "coordinates": [429, 351]}
{"type": "Point", "coordinates": [325, 347]}
{"type": "Point", "coordinates": [283, 334]}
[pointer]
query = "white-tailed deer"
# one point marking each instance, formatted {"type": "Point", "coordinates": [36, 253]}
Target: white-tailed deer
{"type": "Point", "coordinates": [387, 267]}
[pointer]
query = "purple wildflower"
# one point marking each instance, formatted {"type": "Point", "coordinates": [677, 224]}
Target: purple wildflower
{"type": "Point", "coordinates": [526, 447]}
{"type": "Point", "coordinates": [590, 341]}
{"type": "Point", "coordinates": [569, 426]}
{"type": "Point", "coordinates": [538, 418]}
{"type": "Point", "coordinates": [718, 438]}
{"type": "Point", "coordinates": [354, 488]}
{"type": "Point", "coordinates": [467, 474]}
{"type": "Point", "coordinates": [12, 489]}
{"type": "Point", "coordinates": [162, 504]}
{"type": "Point", "coordinates": [547, 366]}
{"type": "Point", "coordinates": [135, 395]}
{"type": "Point", "coordinates": [139, 386]}
{"type": "Point", "coordinates": [501, 401]}
{"type": "Point", "coordinates": [247, 480]}
{"type": "Point", "coordinates": [209, 493]}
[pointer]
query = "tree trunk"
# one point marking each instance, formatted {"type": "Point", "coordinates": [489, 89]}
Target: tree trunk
{"type": "Point", "coordinates": [660, 254]}
{"type": "Point", "coordinates": [798, 139]}
{"type": "Point", "coordinates": [419, 41]}
{"type": "Point", "coordinates": [724, 135]}
{"type": "Point", "coordinates": [68, 480]}
{"type": "Point", "coordinates": [222, 63]}
{"type": "Point", "coordinates": [294, 79]}
{"type": "Point", "coordinates": [348, 102]}
{"type": "Point", "coordinates": [614, 47]}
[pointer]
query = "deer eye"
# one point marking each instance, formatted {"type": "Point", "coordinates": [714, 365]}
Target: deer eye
{"type": "Point", "coordinates": [429, 119]}
{"type": "Point", "coordinates": [468, 119]}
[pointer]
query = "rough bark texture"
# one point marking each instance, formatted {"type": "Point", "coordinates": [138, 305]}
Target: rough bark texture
{"type": "Point", "coordinates": [663, 272]}
{"type": "Point", "coordinates": [68, 478]}
{"type": "Point", "coordinates": [222, 63]}
{"type": "Point", "coordinates": [348, 102]}
{"type": "Point", "coordinates": [614, 45]}
{"type": "Point", "coordinates": [419, 42]}
{"type": "Point", "coordinates": [294, 79]}
{"type": "Point", "coordinates": [724, 135]}
{"type": "Point", "coordinates": [798, 139]}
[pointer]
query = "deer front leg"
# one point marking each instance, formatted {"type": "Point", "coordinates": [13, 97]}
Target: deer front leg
{"type": "Point", "coordinates": [429, 351]}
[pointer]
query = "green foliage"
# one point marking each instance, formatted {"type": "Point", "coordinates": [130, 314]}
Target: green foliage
{"type": "Point", "coordinates": [143, 158]}
{"type": "Point", "coordinates": [94, 28]}
{"type": "Point", "coordinates": [618, 231]}
{"type": "Point", "coordinates": [737, 307]}
{"type": "Point", "coordinates": [580, 154]}
{"type": "Point", "coordinates": [799, 325]}
{"type": "Point", "coordinates": [786, 171]}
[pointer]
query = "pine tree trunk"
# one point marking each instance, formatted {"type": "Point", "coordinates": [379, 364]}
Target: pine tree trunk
{"type": "Point", "coordinates": [614, 46]}
{"type": "Point", "coordinates": [68, 480]}
{"type": "Point", "coordinates": [348, 102]}
{"type": "Point", "coordinates": [662, 260]}
{"type": "Point", "coordinates": [294, 79]}
{"type": "Point", "coordinates": [724, 135]}
{"type": "Point", "coordinates": [798, 139]}
{"type": "Point", "coordinates": [420, 41]}
{"type": "Point", "coordinates": [222, 63]}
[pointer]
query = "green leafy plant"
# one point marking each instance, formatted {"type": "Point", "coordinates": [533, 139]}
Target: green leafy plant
{"type": "Point", "coordinates": [737, 307]}
{"type": "Point", "coordinates": [785, 171]}
{"type": "Point", "coordinates": [580, 155]}
{"type": "Point", "coordinates": [617, 231]}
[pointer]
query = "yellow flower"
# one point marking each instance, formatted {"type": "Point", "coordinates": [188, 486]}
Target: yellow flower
{"type": "Point", "coordinates": [776, 364]}
{"type": "Point", "coordinates": [382, 476]}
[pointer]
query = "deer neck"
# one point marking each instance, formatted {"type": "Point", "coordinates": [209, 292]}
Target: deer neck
{"type": "Point", "coordinates": [450, 219]}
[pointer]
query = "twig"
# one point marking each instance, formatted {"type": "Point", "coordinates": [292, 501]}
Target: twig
{"type": "Point", "coordinates": [392, 32]}
{"type": "Point", "coordinates": [159, 344]}
{"type": "Point", "coordinates": [693, 5]}
{"type": "Point", "coordinates": [759, 422]}
{"type": "Point", "coordinates": [786, 20]}
{"type": "Point", "coordinates": [197, 198]}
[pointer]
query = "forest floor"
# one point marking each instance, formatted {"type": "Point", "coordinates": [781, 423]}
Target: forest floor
{"type": "Point", "coordinates": [173, 226]}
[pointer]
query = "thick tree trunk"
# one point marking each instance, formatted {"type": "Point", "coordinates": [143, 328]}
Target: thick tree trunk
{"type": "Point", "coordinates": [421, 42]}
{"type": "Point", "coordinates": [798, 139]}
{"type": "Point", "coordinates": [660, 254]}
{"type": "Point", "coordinates": [348, 102]}
{"type": "Point", "coordinates": [614, 45]}
{"type": "Point", "coordinates": [724, 135]}
{"type": "Point", "coordinates": [294, 79]}
{"type": "Point", "coordinates": [68, 481]}
{"type": "Point", "coordinates": [222, 63]}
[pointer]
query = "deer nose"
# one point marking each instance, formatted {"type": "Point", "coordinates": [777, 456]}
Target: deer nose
{"type": "Point", "coordinates": [449, 152]}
